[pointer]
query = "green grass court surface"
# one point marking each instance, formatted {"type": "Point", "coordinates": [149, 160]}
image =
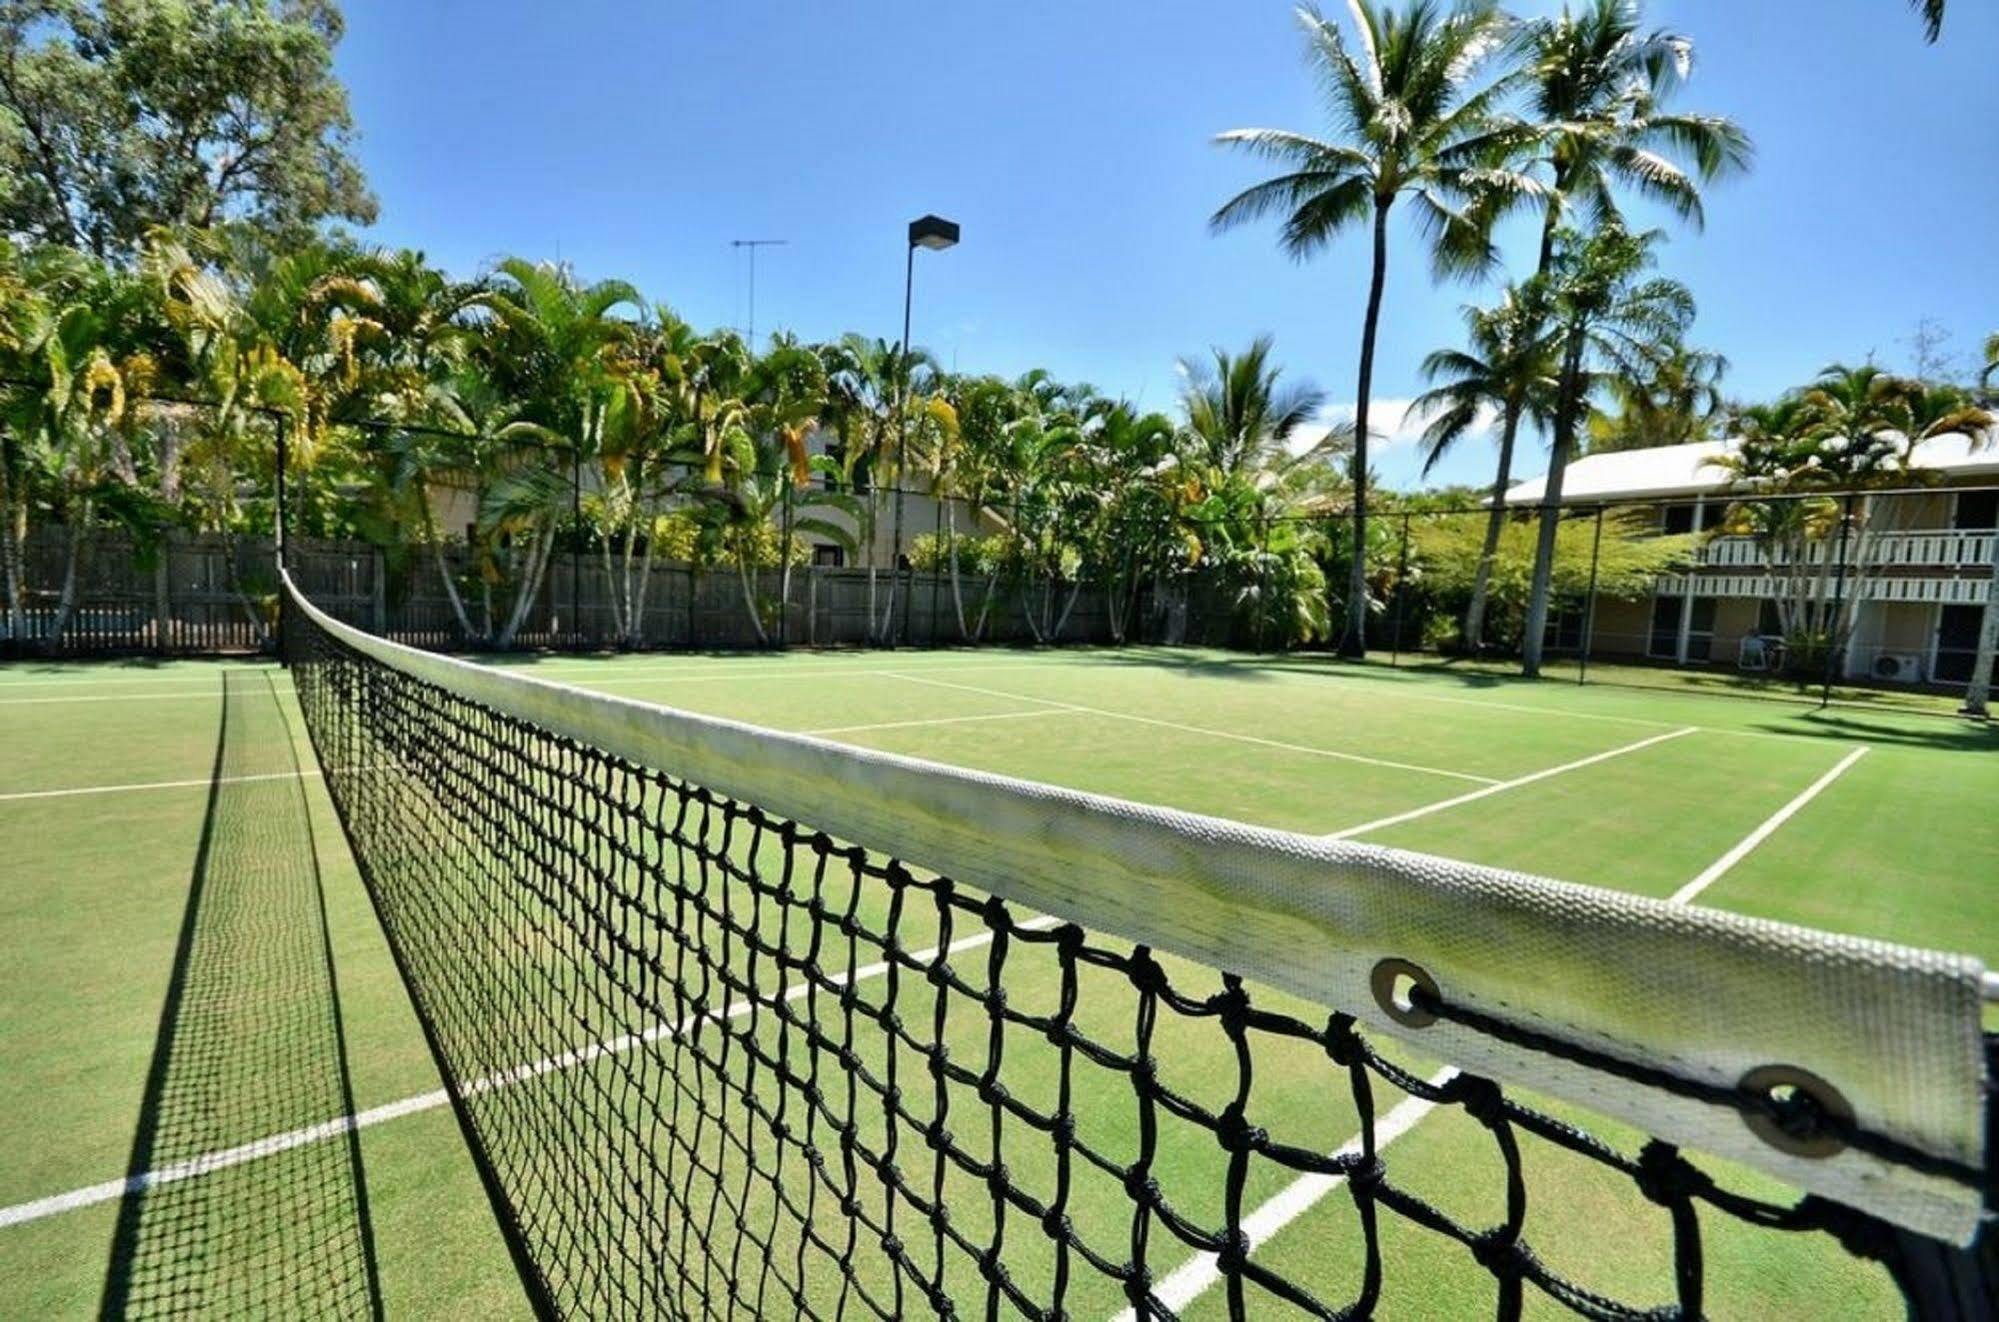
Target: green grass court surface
{"type": "Point", "coordinates": [189, 963]}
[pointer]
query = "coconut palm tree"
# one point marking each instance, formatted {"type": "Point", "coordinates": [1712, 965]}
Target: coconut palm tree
{"type": "Point", "coordinates": [1239, 416]}
{"type": "Point", "coordinates": [1507, 367]}
{"type": "Point", "coordinates": [1409, 121]}
{"type": "Point", "coordinates": [1678, 401]}
{"type": "Point", "coordinates": [1604, 318]}
{"type": "Point", "coordinates": [1932, 12]}
{"type": "Point", "coordinates": [1597, 88]}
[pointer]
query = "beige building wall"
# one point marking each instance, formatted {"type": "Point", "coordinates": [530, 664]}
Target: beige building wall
{"type": "Point", "coordinates": [1621, 627]}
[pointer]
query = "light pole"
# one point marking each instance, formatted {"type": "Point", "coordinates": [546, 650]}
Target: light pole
{"type": "Point", "coordinates": [936, 234]}
{"type": "Point", "coordinates": [750, 332]}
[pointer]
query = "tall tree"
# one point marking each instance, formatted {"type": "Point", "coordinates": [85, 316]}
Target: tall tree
{"type": "Point", "coordinates": [1409, 119]}
{"type": "Point", "coordinates": [1509, 368]}
{"type": "Point", "coordinates": [1598, 85]}
{"type": "Point", "coordinates": [117, 116]}
{"type": "Point", "coordinates": [1604, 318]}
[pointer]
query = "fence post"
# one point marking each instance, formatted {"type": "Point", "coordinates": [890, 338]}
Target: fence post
{"type": "Point", "coordinates": [1589, 601]}
{"type": "Point", "coordinates": [1401, 591]}
{"type": "Point", "coordinates": [1838, 601]}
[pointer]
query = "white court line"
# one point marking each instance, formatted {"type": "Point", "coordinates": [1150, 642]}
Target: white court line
{"type": "Point", "coordinates": [270, 1145]}
{"type": "Point", "coordinates": [1500, 787]}
{"type": "Point", "coordinates": [1686, 893]}
{"type": "Point", "coordinates": [1187, 1282]}
{"type": "Point", "coordinates": [213, 695]}
{"type": "Point", "coordinates": [1197, 729]}
{"type": "Point", "coordinates": [108, 679]}
{"type": "Point", "coordinates": [940, 720]}
{"type": "Point", "coordinates": [153, 785]}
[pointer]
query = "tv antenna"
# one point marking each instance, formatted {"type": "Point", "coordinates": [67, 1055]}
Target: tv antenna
{"type": "Point", "coordinates": [750, 332]}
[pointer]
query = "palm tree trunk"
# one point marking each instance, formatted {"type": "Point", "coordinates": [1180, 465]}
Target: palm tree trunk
{"type": "Point", "coordinates": [530, 584]}
{"type": "Point", "coordinates": [1568, 399]}
{"type": "Point", "coordinates": [750, 598]}
{"type": "Point", "coordinates": [637, 619]}
{"type": "Point", "coordinates": [951, 552]}
{"type": "Point", "coordinates": [611, 586]}
{"type": "Point", "coordinates": [13, 560]}
{"type": "Point", "coordinates": [451, 592]}
{"type": "Point", "coordinates": [1353, 640]}
{"type": "Point", "coordinates": [72, 556]}
{"type": "Point", "coordinates": [1495, 524]}
{"type": "Point", "coordinates": [1978, 689]}
{"type": "Point", "coordinates": [444, 570]}
{"type": "Point", "coordinates": [1062, 620]}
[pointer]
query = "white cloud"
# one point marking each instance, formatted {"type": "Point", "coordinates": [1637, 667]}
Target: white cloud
{"type": "Point", "coordinates": [1396, 424]}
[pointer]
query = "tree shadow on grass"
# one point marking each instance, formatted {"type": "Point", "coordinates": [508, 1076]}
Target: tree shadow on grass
{"type": "Point", "coordinates": [250, 1045]}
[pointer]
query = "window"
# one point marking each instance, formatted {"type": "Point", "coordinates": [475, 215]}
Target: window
{"type": "Point", "coordinates": [1976, 509]}
{"type": "Point", "coordinates": [1769, 621]}
{"type": "Point", "coordinates": [1565, 628]}
{"type": "Point", "coordinates": [1665, 642]}
{"type": "Point", "coordinates": [1957, 643]}
{"type": "Point", "coordinates": [830, 556]}
{"type": "Point", "coordinates": [1676, 520]}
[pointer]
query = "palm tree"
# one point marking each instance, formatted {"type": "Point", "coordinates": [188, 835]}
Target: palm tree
{"type": "Point", "coordinates": [553, 353]}
{"type": "Point", "coordinates": [1507, 367]}
{"type": "Point", "coordinates": [476, 439]}
{"type": "Point", "coordinates": [1603, 317]}
{"type": "Point", "coordinates": [1677, 401]}
{"type": "Point", "coordinates": [1408, 121]}
{"type": "Point", "coordinates": [1932, 12]}
{"type": "Point", "coordinates": [1597, 86]}
{"type": "Point", "coordinates": [1238, 414]}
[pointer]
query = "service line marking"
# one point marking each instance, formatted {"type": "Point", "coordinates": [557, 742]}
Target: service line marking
{"type": "Point", "coordinates": [1748, 843]}
{"type": "Point", "coordinates": [1500, 787]}
{"type": "Point", "coordinates": [1306, 749]}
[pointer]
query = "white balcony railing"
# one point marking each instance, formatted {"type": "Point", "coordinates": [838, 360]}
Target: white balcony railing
{"type": "Point", "coordinates": [1947, 591]}
{"type": "Point", "coordinates": [1947, 549]}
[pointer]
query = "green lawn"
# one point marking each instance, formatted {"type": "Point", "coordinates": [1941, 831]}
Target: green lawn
{"type": "Point", "coordinates": [101, 897]}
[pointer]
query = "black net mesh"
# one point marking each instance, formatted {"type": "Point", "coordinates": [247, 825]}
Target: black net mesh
{"type": "Point", "coordinates": [717, 1064]}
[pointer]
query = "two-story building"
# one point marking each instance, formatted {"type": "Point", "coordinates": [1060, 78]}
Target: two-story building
{"type": "Point", "coordinates": [1914, 588]}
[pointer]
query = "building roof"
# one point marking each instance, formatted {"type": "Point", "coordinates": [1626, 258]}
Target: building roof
{"type": "Point", "coordinates": [1691, 470]}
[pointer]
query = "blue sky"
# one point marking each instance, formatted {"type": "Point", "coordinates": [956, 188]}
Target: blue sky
{"type": "Point", "coordinates": [1072, 143]}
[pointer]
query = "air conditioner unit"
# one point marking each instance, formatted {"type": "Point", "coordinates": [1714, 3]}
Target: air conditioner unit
{"type": "Point", "coordinates": [1898, 667]}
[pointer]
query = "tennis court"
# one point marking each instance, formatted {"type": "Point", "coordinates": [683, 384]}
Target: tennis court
{"type": "Point", "coordinates": [143, 806]}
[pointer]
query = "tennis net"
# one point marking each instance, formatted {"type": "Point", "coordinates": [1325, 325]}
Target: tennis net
{"type": "Point", "coordinates": [747, 1024]}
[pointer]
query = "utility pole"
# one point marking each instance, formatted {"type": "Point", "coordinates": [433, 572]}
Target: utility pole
{"type": "Point", "coordinates": [750, 331]}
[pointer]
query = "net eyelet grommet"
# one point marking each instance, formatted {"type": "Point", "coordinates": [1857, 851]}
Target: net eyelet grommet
{"type": "Point", "coordinates": [1766, 1081]}
{"type": "Point", "coordinates": [1385, 981]}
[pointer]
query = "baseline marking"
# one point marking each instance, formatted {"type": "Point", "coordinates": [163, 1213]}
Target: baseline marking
{"type": "Point", "coordinates": [272, 1144]}
{"type": "Point", "coordinates": [154, 785]}
{"type": "Point", "coordinates": [1200, 730]}
{"type": "Point", "coordinates": [1716, 870]}
{"type": "Point", "coordinates": [1499, 787]}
